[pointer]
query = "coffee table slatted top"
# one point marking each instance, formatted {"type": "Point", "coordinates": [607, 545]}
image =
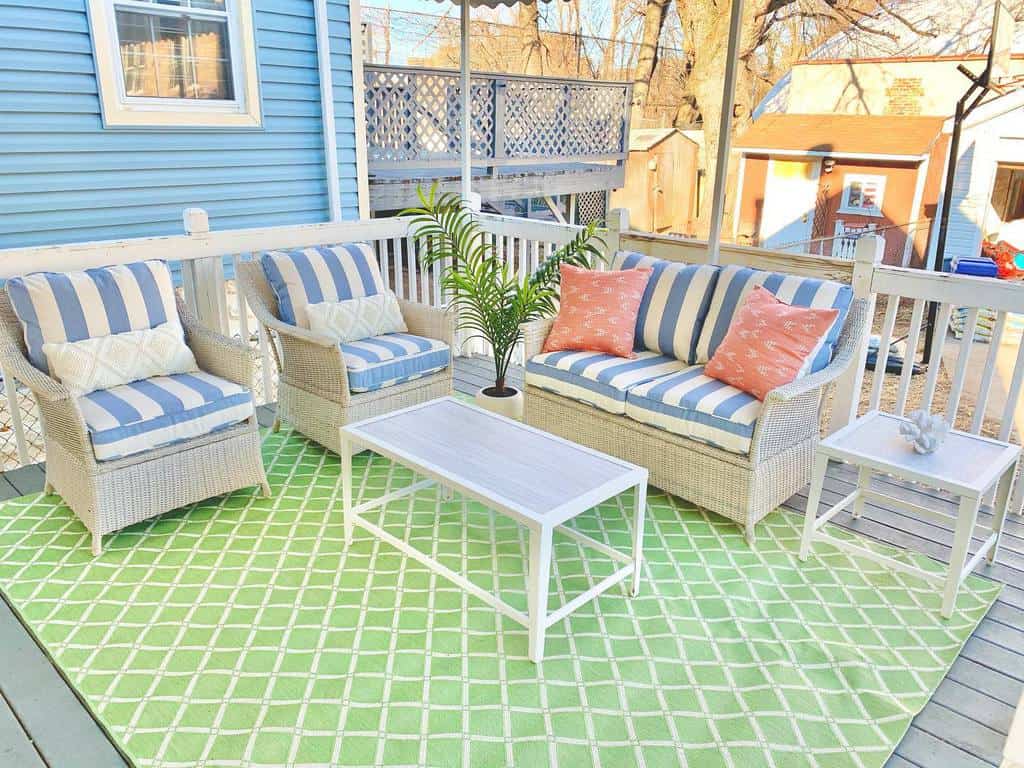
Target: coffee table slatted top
{"type": "Point", "coordinates": [523, 469]}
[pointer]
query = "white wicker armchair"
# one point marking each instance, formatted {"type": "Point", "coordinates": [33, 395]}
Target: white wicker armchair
{"type": "Point", "coordinates": [110, 495]}
{"type": "Point", "coordinates": [313, 391]}
{"type": "Point", "coordinates": [743, 488]}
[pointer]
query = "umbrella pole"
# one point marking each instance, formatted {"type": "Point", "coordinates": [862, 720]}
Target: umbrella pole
{"type": "Point", "coordinates": [467, 104]}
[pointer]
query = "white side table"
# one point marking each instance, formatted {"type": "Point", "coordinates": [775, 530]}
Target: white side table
{"type": "Point", "coordinates": [966, 465]}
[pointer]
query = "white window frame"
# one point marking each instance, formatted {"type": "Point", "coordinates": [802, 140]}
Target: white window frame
{"type": "Point", "coordinates": [121, 110]}
{"type": "Point", "coordinates": [863, 178]}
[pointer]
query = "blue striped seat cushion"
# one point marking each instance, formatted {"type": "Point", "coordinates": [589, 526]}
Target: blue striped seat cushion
{"type": "Point", "coordinates": [394, 358]}
{"type": "Point", "coordinates": [597, 378]}
{"type": "Point", "coordinates": [151, 413]}
{"type": "Point", "coordinates": [306, 276]}
{"type": "Point", "coordinates": [73, 306]}
{"type": "Point", "coordinates": [674, 304]}
{"type": "Point", "coordinates": [735, 282]}
{"type": "Point", "coordinates": [693, 405]}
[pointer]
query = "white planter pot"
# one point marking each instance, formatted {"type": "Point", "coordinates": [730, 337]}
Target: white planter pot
{"type": "Point", "coordinates": [511, 406]}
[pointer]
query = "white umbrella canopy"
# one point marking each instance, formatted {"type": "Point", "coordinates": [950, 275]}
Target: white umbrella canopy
{"type": "Point", "coordinates": [464, 88]}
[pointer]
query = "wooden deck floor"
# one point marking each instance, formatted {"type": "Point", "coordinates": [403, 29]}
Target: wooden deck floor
{"type": "Point", "coordinates": [42, 723]}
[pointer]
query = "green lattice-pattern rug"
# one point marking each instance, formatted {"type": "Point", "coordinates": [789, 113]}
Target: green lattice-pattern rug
{"type": "Point", "coordinates": [240, 633]}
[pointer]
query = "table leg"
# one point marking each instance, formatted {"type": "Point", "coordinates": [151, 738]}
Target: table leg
{"type": "Point", "coordinates": [863, 484]}
{"type": "Point", "coordinates": [966, 518]}
{"type": "Point", "coordinates": [813, 500]}
{"type": "Point", "coordinates": [639, 511]}
{"type": "Point", "coordinates": [999, 510]}
{"type": "Point", "coordinates": [346, 486]}
{"type": "Point", "coordinates": [537, 589]}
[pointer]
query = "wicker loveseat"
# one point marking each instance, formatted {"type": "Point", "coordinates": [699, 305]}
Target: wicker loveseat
{"type": "Point", "coordinates": [700, 439]}
{"type": "Point", "coordinates": [315, 392]}
{"type": "Point", "coordinates": [146, 473]}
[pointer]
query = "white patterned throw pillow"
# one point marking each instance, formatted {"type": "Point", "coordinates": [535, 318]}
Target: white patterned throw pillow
{"type": "Point", "coordinates": [120, 358]}
{"type": "Point", "coordinates": [357, 319]}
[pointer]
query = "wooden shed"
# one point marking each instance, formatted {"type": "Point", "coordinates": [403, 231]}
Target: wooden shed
{"type": "Point", "coordinates": [662, 181]}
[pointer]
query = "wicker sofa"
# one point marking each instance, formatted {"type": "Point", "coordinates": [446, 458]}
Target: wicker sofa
{"type": "Point", "coordinates": [108, 495]}
{"type": "Point", "coordinates": [743, 482]}
{"type": "Point", "coordinates": [313, 391]}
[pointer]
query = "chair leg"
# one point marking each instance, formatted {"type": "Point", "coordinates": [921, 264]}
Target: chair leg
{"type": "Point", "coordinates": [97, 544]}
{"type": "Point", "coordinates": [749, 535]}
{"type": "Point", "coordinates": [47, 488]}
{"type": "Point", "coordinates": [276, 427]}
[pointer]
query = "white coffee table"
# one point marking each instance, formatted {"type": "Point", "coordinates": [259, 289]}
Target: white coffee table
{"type": "Point", "coordinates": [533, 477]}
{"type": "Point", "coordinates": [966, 465]}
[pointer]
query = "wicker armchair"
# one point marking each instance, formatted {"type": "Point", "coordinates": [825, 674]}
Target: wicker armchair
{"type": "Point", "coordinates": [110, 495]}
{"type": "Point", "coordinates": [313, 391]}
{"type": "Point", "coordinates": [743, 488]}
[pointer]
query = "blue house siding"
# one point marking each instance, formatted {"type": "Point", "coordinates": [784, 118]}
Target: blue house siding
{"type": "Point", "coordinates": [64, 178]}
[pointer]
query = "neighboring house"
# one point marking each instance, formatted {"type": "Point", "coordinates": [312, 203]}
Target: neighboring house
{"type": "Point", "coordinates": [872, 135]}
{"type": "Point", "coordinates": [805, 181]}
{"type": "Point", "coordinates": [662, 181]}
{"type": "Point", "coordinates": [114, 116]}
{"type": "Point", "coordinates": [988, 193]}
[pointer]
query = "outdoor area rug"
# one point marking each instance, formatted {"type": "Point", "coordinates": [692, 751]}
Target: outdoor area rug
{"type": "Point", "coordinates": [239, 632]}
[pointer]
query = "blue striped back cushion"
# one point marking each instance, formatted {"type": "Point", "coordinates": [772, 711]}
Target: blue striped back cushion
{"type": "Point", "coordinates": [306, 276]}
{"type": "Point", "coordinates": [674, 305]}
{"type": "Point", "coordinates": [735, 282]}
{"type": "Point", "coordinates": [72, 306]}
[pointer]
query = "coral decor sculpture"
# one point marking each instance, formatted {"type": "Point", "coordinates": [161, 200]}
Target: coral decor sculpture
{"type": "Point", "coordinates": [924, 431]}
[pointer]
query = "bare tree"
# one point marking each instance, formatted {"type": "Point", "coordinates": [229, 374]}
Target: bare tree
{"type": "Point", "coordinates": [534, 52]}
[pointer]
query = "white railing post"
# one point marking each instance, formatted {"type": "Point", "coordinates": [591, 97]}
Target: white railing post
{"type": "Point", "coordinates": [11, 390]}
{"type": "Point", "coordinates": [618, 222]}
{"type": "Point", "coordinates": [203, 279]}
{"type": "Point", "coordinates": [867, 255]}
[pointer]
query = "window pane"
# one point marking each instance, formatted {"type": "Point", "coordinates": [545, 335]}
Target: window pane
{"type": "Point", "coordinates": [174, 56]}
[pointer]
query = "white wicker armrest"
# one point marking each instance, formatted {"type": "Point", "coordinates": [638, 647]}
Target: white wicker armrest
{"type": "Point", "coordinates": [229, 358]}
{"type": "Point", "coordinates": [535, 333]}
{"type": "Point", "coordinates": [42, 386]}
{"type": "Point", "coordinates": [62, 419]}
{"type": "Point", "coordinates": [431, 322]}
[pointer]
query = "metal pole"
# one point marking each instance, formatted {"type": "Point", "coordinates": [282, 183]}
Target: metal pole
{"type": "Point", "coordinates": [467, 105]}
{"type": "Point", "coordinates": [725, 130]}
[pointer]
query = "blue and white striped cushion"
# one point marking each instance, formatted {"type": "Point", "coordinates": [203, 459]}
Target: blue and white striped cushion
{"type": "Point", "coordinates": [150, 413]}
{"type": "Point", "coordinates": [394, 358]}
{"type": "Point", "coordinates": [73, 306]}
{"type": "Point", "coordinates": [674, 304]}
{"type": "Point", "coordinates": [322, 273]}
{"type": "Point", "coordinates": [693, 405]}
{"type": "Point", "coordinates": [597, 378]}
{"type": "Point", "coordinates": [735, 282]}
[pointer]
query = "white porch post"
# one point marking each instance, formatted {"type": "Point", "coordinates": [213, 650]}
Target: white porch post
{"type": "Point", "coordinates": [725, 130]}
{"type": "Point", "coordinates": [867, 255]}
{"type": "Point", "coordinates": [467, 104]}
{"type": "Point", "coordinates": [323, 57]}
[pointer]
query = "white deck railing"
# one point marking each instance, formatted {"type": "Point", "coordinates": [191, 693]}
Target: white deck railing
{"type": "Point", "coordinates": [981, 387]}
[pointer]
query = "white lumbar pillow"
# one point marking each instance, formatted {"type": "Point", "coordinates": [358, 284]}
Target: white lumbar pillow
{"type": "Point", "coordinates": [357, 319]}
{"type": "Point", "coordinates": [109, 361]}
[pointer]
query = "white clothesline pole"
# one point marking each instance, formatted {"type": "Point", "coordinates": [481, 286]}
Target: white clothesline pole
{"type": "Point", "coordinates": [725, 130]}
{"type": "Point", "coordinates": [467, 104]}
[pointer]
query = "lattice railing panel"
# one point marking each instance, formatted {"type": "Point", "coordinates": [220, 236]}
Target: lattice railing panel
{"type": "Point", "coordinates": [416, 115]}
{"type": "Point", "coordinates": [563, 119]}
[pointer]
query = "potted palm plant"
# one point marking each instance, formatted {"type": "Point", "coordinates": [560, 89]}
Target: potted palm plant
{"type": "Point", "coordinates": [485, 291]}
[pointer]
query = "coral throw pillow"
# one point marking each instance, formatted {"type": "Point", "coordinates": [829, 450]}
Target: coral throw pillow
{"type": "Point", "coordinates": [598, 311]}
{"type": "Point", "coordinates": [769, 343]}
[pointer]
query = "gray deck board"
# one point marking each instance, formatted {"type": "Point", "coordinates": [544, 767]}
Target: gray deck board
{"type": "Point", "coordinates": [963, 726]}
{"type": "Point", "coordinates": [16, 749]}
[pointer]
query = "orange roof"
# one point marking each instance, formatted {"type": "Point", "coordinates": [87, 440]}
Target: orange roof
{"type": "Point", "coordinates": [843, 134]}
